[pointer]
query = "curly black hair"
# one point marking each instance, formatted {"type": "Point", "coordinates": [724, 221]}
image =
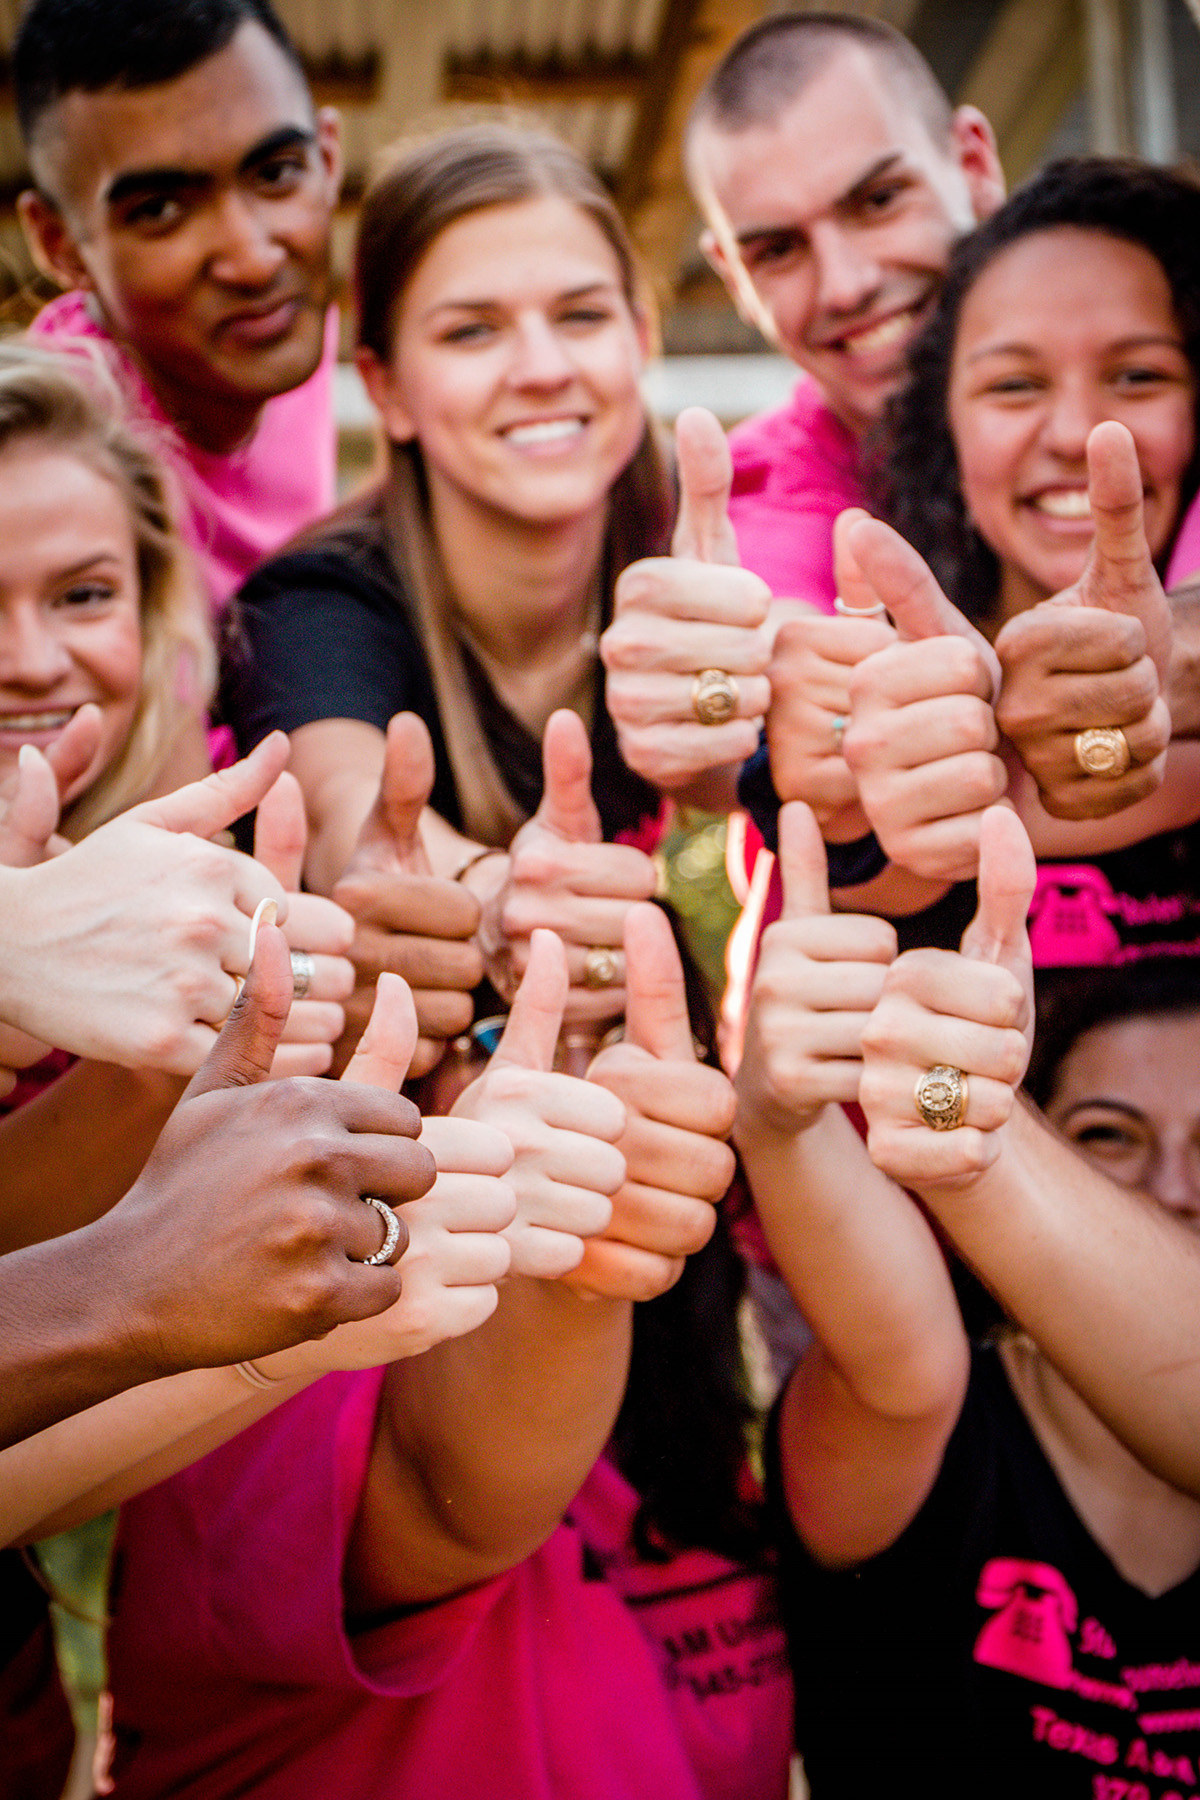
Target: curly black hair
{"type": "Point", "coordinates": [913, 464]}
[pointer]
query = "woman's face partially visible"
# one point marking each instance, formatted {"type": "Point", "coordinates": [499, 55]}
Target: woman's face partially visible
{"type": "Point", "coordinates": [1128, 1097]}
{"type": "Point", "coordinates": [1062, 330]}
{"type": "Point", "coordinates": [70, 618]}
{"type": "Point", "coordinates": [515, 362]}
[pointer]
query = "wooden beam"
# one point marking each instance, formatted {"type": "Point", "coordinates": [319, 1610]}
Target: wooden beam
{"type": "Point", "coordinates": [675, 35]}
{"type": "Point", "coordinates": [589, 76]}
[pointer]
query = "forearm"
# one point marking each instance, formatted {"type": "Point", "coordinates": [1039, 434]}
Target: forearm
{"type": "Point", "coordinates": [64, 1328]}
{"type": "Point", "coordinates": [85, 1465]}
{"type": "Point", "coordinates": [71, 1153]}
{"type": "Point", "coordinates": [1106, 1284]}
{"type": "Point", "coordinates": [483, 1442]}
{"type": "Point", "coordinates": [859, 1260]}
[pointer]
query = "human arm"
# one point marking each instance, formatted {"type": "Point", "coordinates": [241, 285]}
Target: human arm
{"type": "Point", "coordinates": [546, 1387]}
{"type": "Point", "coordinates": [482, 1443]}
{"type": "Point", "coordinates": [236, 1238]}
{"type": "Point", "coordinates": [453, 1255]}
{"type": "Point", "coordinates": [677, 615]}
{"type": "Point", "coordinates": [871, 1405]}
{"type": "Point", "coordinates": [1105, 1283]}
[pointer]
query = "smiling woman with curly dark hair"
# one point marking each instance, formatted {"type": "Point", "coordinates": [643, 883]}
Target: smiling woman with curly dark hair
{"type": "Point", "coordinates": [1074, 208]}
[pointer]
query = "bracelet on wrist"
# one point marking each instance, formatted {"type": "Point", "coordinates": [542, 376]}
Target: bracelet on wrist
{"type": "Point", "coordinates": [254, 1377]}
{"type": "Point", "coordinates": [478, 857]}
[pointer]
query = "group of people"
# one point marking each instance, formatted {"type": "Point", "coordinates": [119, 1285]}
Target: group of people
{"type": "Point", "coordinates": [428, 1411]}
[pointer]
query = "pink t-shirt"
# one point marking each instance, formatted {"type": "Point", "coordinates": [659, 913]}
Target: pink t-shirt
{"type": "Point", "coordinates": [794, 471]}
{"type": "Point", "coordinates": [580, 1675]}
{"type": "Point", "coordinates": [241, 507]}
{"type": "Point", "coordinates": [1185, 558]}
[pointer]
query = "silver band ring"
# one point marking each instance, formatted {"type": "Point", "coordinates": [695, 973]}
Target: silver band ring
{"type": "Point", "coordinates": [391, 1222]}
{"type": "Point", "coordinates": [303, 970]}
{"type": "Point", "coordinates": [941, 1097]}
{"type": "Point", "coordinates": [714, 697]}
{"type": "Point", "coordinates": [878, 611]}
{"type": "Point", "coordinates": [839, 731]}
{"type": "Point", "coordinates": [599, 967]}
{"type": "Point", "coordinates": [1104, 751]}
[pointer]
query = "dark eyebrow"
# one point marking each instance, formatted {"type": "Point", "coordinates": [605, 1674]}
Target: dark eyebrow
{"type": "Point", "coordinates": [1122, 1106]}
{"type": "Point", "coordinates": [851, 195]}
{"type": "Point", "coordinates": [136, 182]}
{"type": "Point", "coordinates": [1139, 342]}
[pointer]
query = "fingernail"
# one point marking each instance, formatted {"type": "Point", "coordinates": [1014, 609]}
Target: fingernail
{"type": "Point", "coordinates": [265, 913]}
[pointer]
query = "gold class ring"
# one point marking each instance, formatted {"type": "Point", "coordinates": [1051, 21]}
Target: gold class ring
{"type": "Point", "coordinates": [714, 696]}
{"type": "Point", "coordinates": [1103, 751]}
{"type": "Point", "coordinates": [599, 967]}
{"type": "Point", "coordinates": [941, 1097]}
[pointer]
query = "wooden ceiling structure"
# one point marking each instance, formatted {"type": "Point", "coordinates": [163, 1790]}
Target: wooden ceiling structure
{"type": "Point", "coordinates": [617, 78]}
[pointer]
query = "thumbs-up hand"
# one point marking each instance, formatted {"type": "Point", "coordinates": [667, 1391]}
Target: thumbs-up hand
{"type": "Point", "coordinates": [819, 978]}
{"type": "Point", "coordinates": [679, 1113]}
{"type": "Point", "coordinates": [563, 877]}
{"type": "Point", "coordinates": [246, 1230]}
{"type": "Point", "coordinates": [45, 780]}
{"type": "Point", "coordinates": [922, 737]}
{"type": "Point", "coordinates": [971, 1012]}
{"type": "Point", "coordinates": [810, 696]}
{"type": "Point", "coordinates": [1096, 654]}
{"type": "Point", "coordinates": [456, 1248]}
{"type": "Point", "coordinates": [562, 1130]}
{"type": "Point", "coordinates": [409, 922]}
{"type": "Point", "coordinates": [675, 616]}
{"type": "Point", "coordinates": [132, 939]}
{"type": "Point", "coordinates": [319, 932]}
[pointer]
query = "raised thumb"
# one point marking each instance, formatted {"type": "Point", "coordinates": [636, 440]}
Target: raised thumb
{"type": "Point", "coordinates": [854, 590]}
{"type": "Point", "coordinates": [656, 1009]}
{"type": "Point", "coordinates": [803, 864]}
{"type": "Point", "coordinates": [906, 584]}
{"type": "Point", "coordinates": [1007, 877]}
{"type": "Point", "coordinates": [208, 806]}
{"type": "Point", "coordinates": [531, 1034]}
{"type": "Point", "coordinates": [31, 818]}
{"type": "Point", "coordinates": [391, 831]}
{"type": "Point", "coordinates": [567, 806]}
{"type": "Point", "coordinates": [245, 1049]}
{"type": "Point", "coordinates": [281, 831]}
{"type": "Point", "coordinates": [386, 1047]}
{"type": "Point", "coordinates": [705, 469]}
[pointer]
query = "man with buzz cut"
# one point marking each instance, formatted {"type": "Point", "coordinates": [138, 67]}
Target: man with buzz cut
{"type": "Point", "coordinates": [834, 178]}
{"type": "Point", "coordinates": [184, 188]}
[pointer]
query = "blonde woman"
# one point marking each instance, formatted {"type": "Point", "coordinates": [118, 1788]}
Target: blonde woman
{"type": "Point", "coordinates": [106, 666]}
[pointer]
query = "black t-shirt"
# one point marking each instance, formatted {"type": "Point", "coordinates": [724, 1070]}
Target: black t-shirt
{"type": "Point", "coordinates": [1123, 906]}
{"type": "Point", "coordinates": [993, 1650]}
{"type": "Point", "coordinates": [324, 632]}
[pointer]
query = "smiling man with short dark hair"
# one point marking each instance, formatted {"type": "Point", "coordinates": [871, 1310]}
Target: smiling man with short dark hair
{"type": "Point", "coordinates": [184, 192]}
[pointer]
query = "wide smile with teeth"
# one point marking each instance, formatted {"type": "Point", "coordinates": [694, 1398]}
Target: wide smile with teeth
{"type": "Point", "coordinates": [884, 336]}
{"type": "Point", "coordinates": [35, 721]}
{"type": "Point", "coordinates": [1063, 503]}
{"type": "Point", "coordinates": [543, 431]}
